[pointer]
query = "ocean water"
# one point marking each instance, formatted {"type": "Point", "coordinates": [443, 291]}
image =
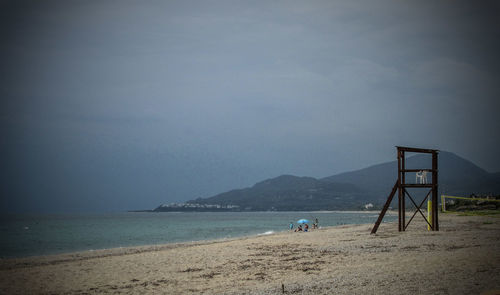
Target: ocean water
{"type": "Point", "coordinates": [33, 235]}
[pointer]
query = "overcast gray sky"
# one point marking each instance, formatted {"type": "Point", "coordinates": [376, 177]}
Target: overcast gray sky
{"type": "Point", "coordinates": [117, 105]}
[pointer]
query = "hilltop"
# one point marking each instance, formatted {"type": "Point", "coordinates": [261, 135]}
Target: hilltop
{"type": "Point", "coordinates": [345, 191]}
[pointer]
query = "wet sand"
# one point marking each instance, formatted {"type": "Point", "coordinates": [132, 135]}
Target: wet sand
{"type": "Point", "coordinates": [462, 258]}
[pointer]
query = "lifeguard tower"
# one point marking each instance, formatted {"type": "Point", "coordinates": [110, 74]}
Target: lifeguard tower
{"type": "Point", "coordinates": [421, 182]}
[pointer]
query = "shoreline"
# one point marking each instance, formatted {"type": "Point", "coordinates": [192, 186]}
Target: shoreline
{"type": "Point", "coordinates": [55, 252]}
{"type": "Point", "coordinates": [462, 258]}
{"type": "Point", "coordinates": [53, 259]}
{"type": "Point", "coordinates": [125, 250]}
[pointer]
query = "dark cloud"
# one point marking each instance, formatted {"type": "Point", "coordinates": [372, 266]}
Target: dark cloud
{"type": "Point", "coordinates": [125, 105]}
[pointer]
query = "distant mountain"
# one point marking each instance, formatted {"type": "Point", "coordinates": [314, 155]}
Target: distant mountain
{"type": "Point", "coordinates": [288, 193]}
{"type": "Point", "coordinates": [456, 176]}
{"type": "Point", "coordinates": [349, 190]}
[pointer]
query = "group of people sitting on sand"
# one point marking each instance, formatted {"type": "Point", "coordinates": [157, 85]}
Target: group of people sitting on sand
{"type": "Point", "coordinates": [305, 228]}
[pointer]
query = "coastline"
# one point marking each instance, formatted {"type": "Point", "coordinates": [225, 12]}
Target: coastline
{"type": "Point", "coordinates": [50, 259]}
{"type": "Point", "coordinates": [32, 236]}
{"type": "Point", "coordinates": [463, 257]}
{"type": "Point", "coordinates": [14, 262]}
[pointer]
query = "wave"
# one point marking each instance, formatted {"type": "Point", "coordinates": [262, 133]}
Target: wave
{"type": "Point", "coordinates": [269, 232]}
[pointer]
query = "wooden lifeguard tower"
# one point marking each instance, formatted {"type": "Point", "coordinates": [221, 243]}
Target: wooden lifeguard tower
{"type": "Point", "coordinates": [401, 186]}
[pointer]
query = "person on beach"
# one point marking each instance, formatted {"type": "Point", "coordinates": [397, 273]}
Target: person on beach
{"type": "Point", "coordinates": [299, 228]}
{"type": "Point", "coordinates": [317, 223]}
{"type": "Point", "coordinates": [291, 226]}
{"type": "Point", "coordinates": [306, 227]}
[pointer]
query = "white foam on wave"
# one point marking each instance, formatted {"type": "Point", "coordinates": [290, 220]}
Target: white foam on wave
{"type": "Point", "coordinates": [270, 232]}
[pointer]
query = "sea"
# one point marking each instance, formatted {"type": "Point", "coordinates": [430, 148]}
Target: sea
{"type": "Point", "coordinates": [35, 235]}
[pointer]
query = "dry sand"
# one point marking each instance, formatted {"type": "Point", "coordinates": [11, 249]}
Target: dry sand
{"type": "Point", "coordinates": [462, 258]}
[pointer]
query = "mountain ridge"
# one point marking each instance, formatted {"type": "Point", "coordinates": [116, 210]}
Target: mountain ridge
{"type": "Point", "coordinates": [352, 189]}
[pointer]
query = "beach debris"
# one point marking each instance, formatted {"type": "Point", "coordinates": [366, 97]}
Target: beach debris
{"type": "Point", "coordinates": [189, 269]}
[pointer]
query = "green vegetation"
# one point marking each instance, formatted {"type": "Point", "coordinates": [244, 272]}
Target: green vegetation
{"type": "Point", "coordinates": [291, 193]}
{"type": "Point", "coordinates": [355, 189]}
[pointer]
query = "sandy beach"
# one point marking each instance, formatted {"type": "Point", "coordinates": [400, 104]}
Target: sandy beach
{"type": "Point", "coordinates": [462, 258]}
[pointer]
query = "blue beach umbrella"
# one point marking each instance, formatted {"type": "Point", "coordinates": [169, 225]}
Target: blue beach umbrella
{"type": "Point", "coordinates": [302, 221]}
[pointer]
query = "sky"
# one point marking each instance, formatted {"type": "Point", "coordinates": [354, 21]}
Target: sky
{"type": "Point", "coordinates": [109, 106]}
